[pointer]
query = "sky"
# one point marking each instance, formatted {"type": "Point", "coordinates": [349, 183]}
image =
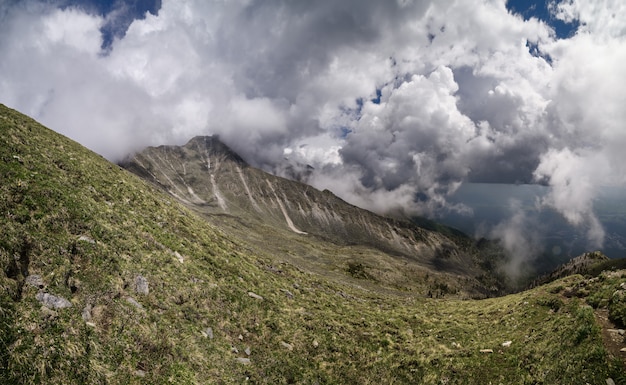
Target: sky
{"type": "Point", "coordinates": [395, 104]}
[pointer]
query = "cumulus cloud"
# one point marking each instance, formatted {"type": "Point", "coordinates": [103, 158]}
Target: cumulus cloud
{"type": "Point", "coordinates": [520, 237]}
{"type": "Point", "coordinates": [394, 103]}
{"type": "Point", "coordinates": [575, 180]}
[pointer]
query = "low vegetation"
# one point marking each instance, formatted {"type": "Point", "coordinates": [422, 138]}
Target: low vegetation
{"type": "Point", "coordinates": [155, 294]}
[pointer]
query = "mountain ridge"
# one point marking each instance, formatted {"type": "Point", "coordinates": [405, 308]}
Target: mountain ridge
{"type": "Point", "coordinates": [210, 178]}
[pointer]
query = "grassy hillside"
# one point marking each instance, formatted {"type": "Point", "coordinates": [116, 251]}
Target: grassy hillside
{"type": "Point", "coordinates": [106, 279]}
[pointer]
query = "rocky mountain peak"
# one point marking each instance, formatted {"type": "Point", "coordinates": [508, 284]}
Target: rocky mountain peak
{"type": "Point", "coordinates": [212, 146]}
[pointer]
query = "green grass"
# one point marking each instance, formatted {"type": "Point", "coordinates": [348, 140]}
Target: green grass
{"type": "Point", "coordinates": [307, 329]}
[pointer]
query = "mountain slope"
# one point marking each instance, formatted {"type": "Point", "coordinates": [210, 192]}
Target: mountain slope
{"type": "Point", "coordinates": [325, 232]}
{"type": "Point", "coordinates": [106, 279]}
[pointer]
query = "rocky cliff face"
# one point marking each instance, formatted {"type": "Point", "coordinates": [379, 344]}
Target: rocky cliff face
{"type": "Point", "coordinates": [207, 176]}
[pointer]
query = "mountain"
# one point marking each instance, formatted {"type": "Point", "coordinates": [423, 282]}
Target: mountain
{"type": "Point", "coordinates": [107, 279]}
{"type": "Point", "coordinates": [323, 232]}
{"type": "Point", "coordinates": [587, 264]}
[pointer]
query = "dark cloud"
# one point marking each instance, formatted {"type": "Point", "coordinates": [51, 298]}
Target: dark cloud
{"type": "Point", "coordinates": [394, 103]}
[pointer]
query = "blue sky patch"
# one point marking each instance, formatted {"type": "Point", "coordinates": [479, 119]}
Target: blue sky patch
{"type": "Point", "coordinates": [540, 9]}
{"type": "Point", "coordinates": [117, 25]}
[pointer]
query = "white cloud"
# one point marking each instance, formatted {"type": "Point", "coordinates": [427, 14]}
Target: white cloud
{"type": "Point", "coordinates": [519, 235]}
{"type": "Point", "coordinates": [73, 29]}
{"type": "Point", "coordinates": [575, 179]}
{"type": "Point", "coordinates": [468, 91]}
{"type": "Point", "coordinates": [603, 19]}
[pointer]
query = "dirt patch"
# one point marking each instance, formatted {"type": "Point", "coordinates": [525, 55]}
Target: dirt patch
{"type": "Point", "coordinates": [614, 339]}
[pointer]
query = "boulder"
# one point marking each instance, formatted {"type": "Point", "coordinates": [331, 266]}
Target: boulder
{"type": "Point", "coordinates": [35, 280]}
{"type": "Point", "coordinates": [52, 301]}
{"type": "Point", "coordinates": [141, 285]}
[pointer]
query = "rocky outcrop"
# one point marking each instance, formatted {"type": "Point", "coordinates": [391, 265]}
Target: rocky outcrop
{"type": "Point", "coordinates": [583, 264]}
{"type": "Point", "coordinates": [52, 301]}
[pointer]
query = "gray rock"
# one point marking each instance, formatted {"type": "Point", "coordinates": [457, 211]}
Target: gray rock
{"type": "Point", "coordinates": [243, 360]}
{"type": "Point", "coordinates": [35, 280]}
{"type": "Point", "coordinates": [52, 301]}
{"type": "Point", "coordinates": [141, 285]}
{"type": "Point", "coordinates": [85, 238]}
{"type": "Point", "coordinates": [208, 332]}
{"type": "Point", "coordinates": [134, 302]}
{"type": "Point", "coordinates": [286, 345]}
{"type": "Point", "coordinates": [609, 381]}
{"type": "Point", "coordinates": [248, 351]}
{"type": "Point", "coordinates": [255, 296]}
{"type": "Point", "coordinates": [86, 314]}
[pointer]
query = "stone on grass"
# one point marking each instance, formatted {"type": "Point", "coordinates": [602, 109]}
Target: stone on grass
{"type": "Point", "coordinates": [243, 360]}
{"type": "Point", "coordinates": [255, 296]}
{"type": "Point", "coordinates": [286, 345]}
{"type": "Point", "coordinates": [35, 280]}
{"type": "Point", "coordinates": [141, 285]}
{"type": "Point", "coordinates": [486, 350]}
{"type": "Point", "coordinates": [52, 301]}
{"type": "Point", "coordinates": [507, 344]}
{"type": "Point", "coordinates": [134, 302]}
{"type": "Point", "coordinates": [85, 238]}
{"type": "Point", "coordinates": [86, 314]}
{"type": "Point", "coordinates": [208, 332]}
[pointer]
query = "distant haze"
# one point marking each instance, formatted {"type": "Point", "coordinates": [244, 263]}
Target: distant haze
{"type": "Point", "coordinates": [543, 232]}
{"type": "Point", "coordinates": [394, 103]}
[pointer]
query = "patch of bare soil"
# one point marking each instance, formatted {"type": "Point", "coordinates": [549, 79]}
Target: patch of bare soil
{"type": "Point", "coordinates": [613, 338]}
